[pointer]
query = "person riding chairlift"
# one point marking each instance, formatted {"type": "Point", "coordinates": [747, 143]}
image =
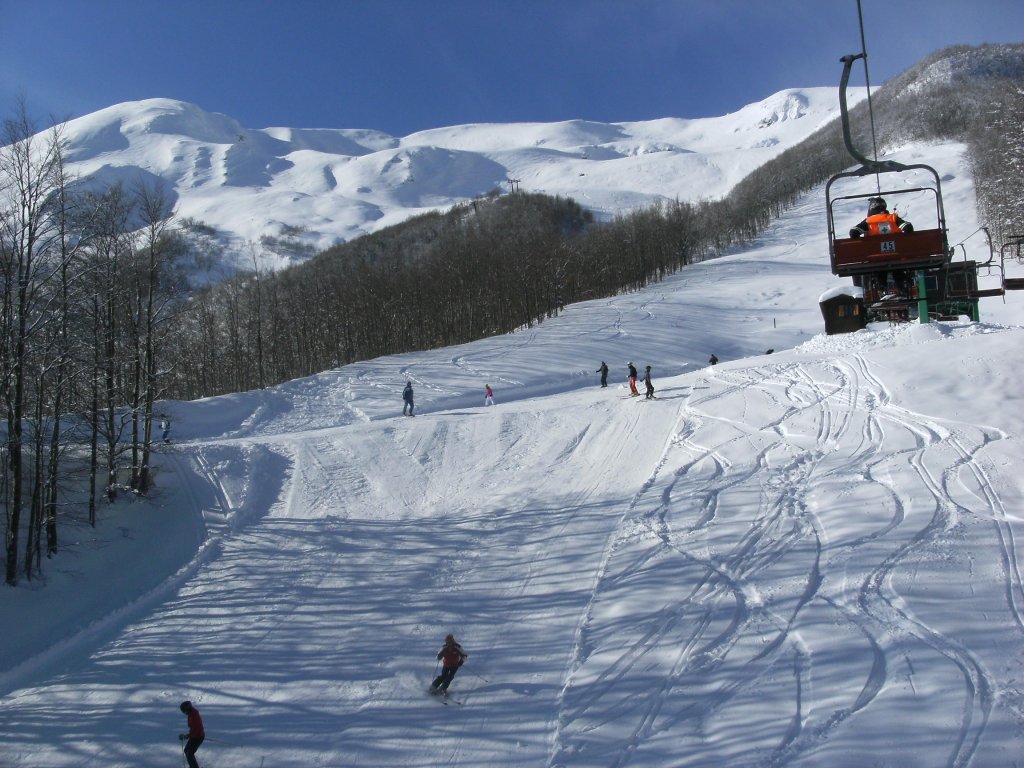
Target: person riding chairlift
{"type": "Point", "coordinates": [880, 222]}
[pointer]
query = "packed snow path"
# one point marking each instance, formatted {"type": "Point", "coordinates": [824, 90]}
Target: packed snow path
{"type": "Point", "coordinates": [767, 599]}
{"type": "Point", "coordinates": [772, 564]}
{"type": "Point", "coordinates": [808, 559]}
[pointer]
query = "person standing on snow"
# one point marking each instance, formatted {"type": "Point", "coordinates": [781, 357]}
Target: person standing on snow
{"type": "Point", "coordinates": [407, 399]}
{"type": "Point", "coordinates": [713, 359]}
{"type": "Point", "coordinates": [196, 732]}
{"type": "Point", "coordinates": [165, 425]}
{"type": "Point", "coordinates": [488, 395]}
{"type": "Point", "coordinates": [603, 370]}
{"type": "Point", "coordinates": [647, 382]}
{"type": "Point", "coordinates": [632, 380]}
{"type": "Point", "coordinates": [452, 657]}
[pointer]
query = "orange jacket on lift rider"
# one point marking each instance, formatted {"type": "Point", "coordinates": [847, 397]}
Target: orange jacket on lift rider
{"type": "Point", "coordinates": [880, 222]}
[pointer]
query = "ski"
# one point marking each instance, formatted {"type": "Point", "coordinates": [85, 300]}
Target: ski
{"type": "Point", "coordinates": [435, 695]}
{"type": "Point", "coordinates": [443, 699]}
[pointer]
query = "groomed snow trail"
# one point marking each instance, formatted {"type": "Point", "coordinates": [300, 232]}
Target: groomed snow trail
{"type": "Point", "coordinates": [754, 611]}
{"type": "Point", "coordinates": [777, 563]}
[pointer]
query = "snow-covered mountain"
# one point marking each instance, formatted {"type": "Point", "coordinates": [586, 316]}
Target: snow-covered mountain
{"type": "Point", "coordinates": [807, 559]}
{"type": "Point", "coordinates": [317, 187]}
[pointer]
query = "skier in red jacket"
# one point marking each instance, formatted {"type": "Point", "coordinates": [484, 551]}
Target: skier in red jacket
{"type": "Point", "coordinates": [452, 657]}
{"type": "Point", "coordinates": [196, 732]}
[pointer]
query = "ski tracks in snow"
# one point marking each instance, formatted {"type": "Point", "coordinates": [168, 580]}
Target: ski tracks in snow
{"type": "Point", "coordinates": [776, 577]}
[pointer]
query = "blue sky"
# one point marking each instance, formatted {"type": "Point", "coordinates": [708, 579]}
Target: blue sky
{"type": "Point", "coordinates": [401, 66]}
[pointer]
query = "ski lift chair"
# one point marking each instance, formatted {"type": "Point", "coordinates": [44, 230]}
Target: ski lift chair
{"type": "Point", "coordinates": [920, 249]}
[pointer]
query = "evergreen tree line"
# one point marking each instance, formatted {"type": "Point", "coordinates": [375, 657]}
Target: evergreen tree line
{"type": "Point", "coordinates": [96, 324]}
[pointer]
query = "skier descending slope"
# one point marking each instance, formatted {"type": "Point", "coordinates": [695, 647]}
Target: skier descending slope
{"type": "Point", "coordinates": [452, 657]}
{"type": "Point", "coordinates": [196, 732]}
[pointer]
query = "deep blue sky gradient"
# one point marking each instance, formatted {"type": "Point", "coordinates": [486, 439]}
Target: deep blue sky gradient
{"type": "Point", "coordinates": [400, 66]}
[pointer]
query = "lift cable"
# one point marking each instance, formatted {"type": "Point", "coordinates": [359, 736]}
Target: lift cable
{"type": "Point", "coordinates": [867, 80]}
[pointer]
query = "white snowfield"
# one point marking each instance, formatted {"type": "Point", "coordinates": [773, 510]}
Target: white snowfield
{"type": "Point", "coordinates": [319, 187]}
{"type": "Point", "coordinates": [808, 558]}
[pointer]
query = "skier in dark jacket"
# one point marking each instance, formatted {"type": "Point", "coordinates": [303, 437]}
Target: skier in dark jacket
{"type": "Point", "coordinates": [452, 657]}
{"type": "Point", "coordinates": [632, 380]}
{"type": "Point", "coordinates": [713, 359]}
{"type": "Point", "coordinates": [603, 370]}
{"type": "Point", "coordinates": [407, 399]}
{"type": "Point", "coordinates": [196, 732]}
{"type": "Point", "coordinates": [647, 382]}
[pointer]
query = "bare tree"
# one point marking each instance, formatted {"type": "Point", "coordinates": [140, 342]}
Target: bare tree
{"type": "Point", "coordinates": [30, 180]}
{"type": "Point", "coordinates": [153, 289]}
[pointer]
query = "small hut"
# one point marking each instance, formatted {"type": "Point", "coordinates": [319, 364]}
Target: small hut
{"type": "Point", "coordinates": [843, 309]}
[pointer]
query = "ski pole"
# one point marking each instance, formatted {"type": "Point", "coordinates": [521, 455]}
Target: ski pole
{"type": "Point", "coordinates": [221, 741]}
{"type": "Point", "coordinates": [479, 675]}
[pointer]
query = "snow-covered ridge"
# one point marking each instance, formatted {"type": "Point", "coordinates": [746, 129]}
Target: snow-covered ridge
{"type": "Point", "coordinates": [964, 67]}
{"type": "Point", "coordinates": [332, 185]}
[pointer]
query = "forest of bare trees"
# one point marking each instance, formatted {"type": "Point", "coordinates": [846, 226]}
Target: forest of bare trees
{"type": "Point", "coordinates": [484, 267]}
{"type": "Point", "coordinates": [501, 263]}
{"type": "Point", "coordinates": [88, 290]}
{"type": "Point", "coordinates": [97, 325]}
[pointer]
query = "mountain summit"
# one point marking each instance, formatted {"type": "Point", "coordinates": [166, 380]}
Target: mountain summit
{"type": "Point", "coordinates": [317, 187]}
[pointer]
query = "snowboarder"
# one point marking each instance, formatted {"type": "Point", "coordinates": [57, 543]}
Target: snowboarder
{"type": "Point", "coordinates": [407, 399]}
{"type": "Point", "coordinates": [713, 360]}
{"type": "Point", "coordinates": [488, 395]}
{"type": "Point", "coordinates": [452, 657]}
{"type": "Point", "coordinates": [647, 382]}
{"type": "Point", "coordinates": [603, 370]}
{"type": "Point", "coordinates": [880, 222]}
{"type": "Point", "coordinates": [165, 426]}
{"type": "Point", "coordinates": [632, 380]}
{"type": "Point", "coordinates": [196, 732]}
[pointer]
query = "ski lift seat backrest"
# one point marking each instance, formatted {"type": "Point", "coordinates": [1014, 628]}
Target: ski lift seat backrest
{"type": "Point", "coordinates": [920, 249]}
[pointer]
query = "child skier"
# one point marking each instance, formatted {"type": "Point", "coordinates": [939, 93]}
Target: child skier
{"type": "Point", "coordinates": [647, 381]}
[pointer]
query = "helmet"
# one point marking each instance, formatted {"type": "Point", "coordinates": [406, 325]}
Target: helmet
{"type": "Point", "coordinates": [876, 205]}
{"type": "Point", "coordinates": [630, 362]}
{"type": "Point", "coordinates": [185, 707]}
{"type": "Point", "coordinates": [648, 368]}
{"type": "Point", "coordinates": [450, 639]}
